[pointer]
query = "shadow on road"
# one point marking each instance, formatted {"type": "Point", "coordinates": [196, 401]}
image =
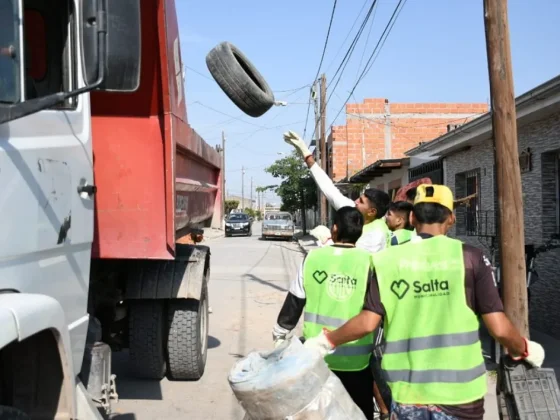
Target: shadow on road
{"type": "Point", "coordinates": [252, 277]}
{"type": "Point", "coordinates": [213, 342]}
{"type": "Point", "coordinates": [127, 416]}
{"type": "Point", "coordinates": [130, 388]}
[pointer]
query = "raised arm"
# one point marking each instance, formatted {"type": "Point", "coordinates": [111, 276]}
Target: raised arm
{"type": "Point", "coordinates": [325, 184]}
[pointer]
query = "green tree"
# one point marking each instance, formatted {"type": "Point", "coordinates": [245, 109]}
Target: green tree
{"type": "Point", "coordinates": [231, 205]}
{"type": "Point", "coordinates": [297, 189]}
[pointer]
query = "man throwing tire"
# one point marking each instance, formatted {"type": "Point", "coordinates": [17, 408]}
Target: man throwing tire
{"type": "Point", "coordinates": [372, 204]}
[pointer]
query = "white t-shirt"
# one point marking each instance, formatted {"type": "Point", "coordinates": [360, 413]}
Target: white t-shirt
{"type": "Point", "coordinates": [373, 241]}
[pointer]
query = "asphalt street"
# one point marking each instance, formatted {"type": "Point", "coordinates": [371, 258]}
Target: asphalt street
{"type": "Point", "coordinates": [248, 283]}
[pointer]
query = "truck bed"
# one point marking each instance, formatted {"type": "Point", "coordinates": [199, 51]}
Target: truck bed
{"type": "Point", "coordinates": [155, 175]}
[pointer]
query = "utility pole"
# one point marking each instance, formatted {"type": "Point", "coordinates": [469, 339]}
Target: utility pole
{"type": "Point", "coordinates": [251, 194]}
{"type": "Point", "coordinates": [223, 173]}
{"type": "Point", "coordinates": [504, 122]}
{"type": "Point", "coordinates": [324, 158]}
{"type": "Point", "coordinates": [317, 131]}
{"type": "Point", "coordinates": [242, 188]}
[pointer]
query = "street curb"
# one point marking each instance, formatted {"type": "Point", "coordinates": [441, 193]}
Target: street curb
{"type": "Point", "coordinates": [221, 235]}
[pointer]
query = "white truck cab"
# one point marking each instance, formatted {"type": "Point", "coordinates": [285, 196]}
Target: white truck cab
{"type": "Point", "coordinates": [52, 53]}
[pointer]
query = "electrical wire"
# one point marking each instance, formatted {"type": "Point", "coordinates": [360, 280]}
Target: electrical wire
{"type": "Point", "coordinates": [347, 35]}
{"type": "Point", "coordinates": [367, 41]}
{"type": "Point", "coordinates": [380, 43]}
{"type": "Point", "coordinates": [352, 46]}
{"type": "Point", "coordinates": [347, 56]}
{"type": "Point", "coordinates": [227, 115]}
{"type": "Point", "coordinates": [320, 64]}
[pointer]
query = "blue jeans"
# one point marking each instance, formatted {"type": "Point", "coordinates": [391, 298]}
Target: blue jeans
{"type": "Point", "coordinates": [418, 412]}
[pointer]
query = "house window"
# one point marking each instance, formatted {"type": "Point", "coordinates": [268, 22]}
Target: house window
{"type": "Point", "coordinates": [467, 184]}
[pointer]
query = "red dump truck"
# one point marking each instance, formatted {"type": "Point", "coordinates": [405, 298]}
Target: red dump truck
{"type": "Point", "coordinates": [105, 189]}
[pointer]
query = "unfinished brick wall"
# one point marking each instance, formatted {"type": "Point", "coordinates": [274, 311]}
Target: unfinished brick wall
{"type": "Point", "coordinates": [377, 129]}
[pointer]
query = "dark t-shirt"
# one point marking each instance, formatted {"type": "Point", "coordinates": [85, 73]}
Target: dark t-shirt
{"type": "Point", "coordinates": [482, 297]}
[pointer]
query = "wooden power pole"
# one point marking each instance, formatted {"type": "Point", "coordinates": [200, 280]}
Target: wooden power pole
{"type": "Point", "coordinates": [223, 173]}
{"type": "Point", "coordinates": [508, 176]}
{"type": "Point", "coordinates": [323, 142]}
{"type": "Point", "coordinates": [251, 195]}
{"type": "Point", "coordinates": [242, 188]}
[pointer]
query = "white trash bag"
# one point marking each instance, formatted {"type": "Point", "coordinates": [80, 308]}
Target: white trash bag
{"type": "Point", "coordinates": [290, 383]}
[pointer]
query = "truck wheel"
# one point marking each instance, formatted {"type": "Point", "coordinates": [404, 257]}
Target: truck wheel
{"type": "Point", "coordinates": [239, 79]}
{"type": "Point", "coordinates": [187, 342]}
{"type": "Point", "coordinates": [10, 413]}
{"type": "Point", "coordinates": [146, 325]}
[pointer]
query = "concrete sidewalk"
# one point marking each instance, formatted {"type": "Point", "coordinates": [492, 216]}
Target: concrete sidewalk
{"type": "Point", "coordinates": [211, 233]}
{"type": "Point", "coordinates": [550, 344]}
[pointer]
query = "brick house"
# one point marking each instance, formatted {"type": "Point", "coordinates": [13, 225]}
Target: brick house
{"type": "Point", "coordinates": [370, 147]}
{"type": "Point", "coordinates": [467, 160]}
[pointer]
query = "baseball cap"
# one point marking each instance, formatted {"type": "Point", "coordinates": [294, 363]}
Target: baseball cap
{"type": "Point", "coordinates": [439, 194]}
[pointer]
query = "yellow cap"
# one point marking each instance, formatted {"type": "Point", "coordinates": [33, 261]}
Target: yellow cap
{"type": "Point", "coordinates": [439, 194]}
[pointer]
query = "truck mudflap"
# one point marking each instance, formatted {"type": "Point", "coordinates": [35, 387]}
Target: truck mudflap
{"type": "Point", "coordinates": [181, 278]}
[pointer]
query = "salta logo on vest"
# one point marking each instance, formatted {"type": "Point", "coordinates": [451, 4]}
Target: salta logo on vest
{"type": "Point", "coordinates": [431, 288]}
{"type": "Point", "coordinates": [340, 287]}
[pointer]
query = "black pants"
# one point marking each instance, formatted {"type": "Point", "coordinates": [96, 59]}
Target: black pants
{"type": "Point", "coordinates": [359, 386]}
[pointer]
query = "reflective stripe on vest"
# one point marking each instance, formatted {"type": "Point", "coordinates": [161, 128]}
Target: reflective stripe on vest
{"type": "Point", "coordinates": [432, 342]}
{"type": "Point", "coordinates": [435, 375]}
{"type": "Point", "coordinates": [335, 283]}
{"type": "Point", "coordinates": [432, 353]}
{"type": "Point", "coordinates": [324, 320]}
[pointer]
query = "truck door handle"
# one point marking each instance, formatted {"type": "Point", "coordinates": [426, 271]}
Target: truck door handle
{"type": "Point", "coordinates": [87, 189]}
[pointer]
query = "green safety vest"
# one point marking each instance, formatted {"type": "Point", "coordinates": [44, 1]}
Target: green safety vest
{"type": "Point", "coordinates": [335, 283]}
{"type": "Point", "coordinates": [402, 235]}
{"type": "Point", "coordinates": [433, 353]}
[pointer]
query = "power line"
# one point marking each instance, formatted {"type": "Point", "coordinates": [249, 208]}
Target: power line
{"type": "Point", "coordinates": [326, 40]}
{"type": "Point", "coordinates": [276, 91]}
{"type": "Point", "coordinates": [346, 58]}
{"type": "Point", "coordinates": [353, 44]}
{"type": "Point", "coordinates": [369, 63]}
{"type": "Point", "coordinates": [227, 115]}
{"type": "Point", "coordinates": [199, 73]}
{"type": "Point", "coordinates": [367, 40]}
{"type": "Point", "coordinates": [293, 90]}
{"type": "Point", "coordinates": [320, 64]}
{"type": "Point", "coordinates": [347, 35]}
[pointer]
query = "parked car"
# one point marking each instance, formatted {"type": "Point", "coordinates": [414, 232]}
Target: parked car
{"type": "Point", "coordinates": [278, 224]}
{"type": "Point", "coordinates": [239, 224]}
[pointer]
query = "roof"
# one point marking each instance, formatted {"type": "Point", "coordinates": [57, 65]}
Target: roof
{"type": "Point", "coordinates": [377, 169]}
{"type": "Point", "coordinates": [534, 105]}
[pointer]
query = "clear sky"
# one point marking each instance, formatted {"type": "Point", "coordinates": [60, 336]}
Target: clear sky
{"type": "Point", "coordinates": [435, 53]}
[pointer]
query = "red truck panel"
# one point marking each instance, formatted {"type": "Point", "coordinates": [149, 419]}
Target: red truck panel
{"type": "Point", "coordinates": [154, 173]}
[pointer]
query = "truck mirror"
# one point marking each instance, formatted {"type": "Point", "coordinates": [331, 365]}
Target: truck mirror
{"type": "Point", "coordinates": [111, 43]}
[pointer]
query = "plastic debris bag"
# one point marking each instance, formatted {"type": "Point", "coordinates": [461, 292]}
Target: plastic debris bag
{"type": "Point", "coordinates": [290, 383]}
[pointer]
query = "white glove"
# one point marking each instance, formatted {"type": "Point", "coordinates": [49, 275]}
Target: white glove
{"type": "Point", "coordinates": [278, 342]}
{"type": "Point", "coordinates": [322, 234]}
{"type": "Point", "coordinates": [321, 344]}
{"type": "Point", "coordinates": [294, 140]}
{"type": "Point", "coordinates": [535, 354]}
{"type": "Point", "coordinates": [279, 335]}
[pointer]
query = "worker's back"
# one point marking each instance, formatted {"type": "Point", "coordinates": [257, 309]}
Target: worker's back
{"type": "Point", "coordinates": [431, 333]}
{"type": "Point", "coordinates": [335, 281]}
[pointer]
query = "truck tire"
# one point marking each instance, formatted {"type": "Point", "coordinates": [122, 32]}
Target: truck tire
{"type": "Point", "coordinates": [239, 79]}
{"type": "Point", "coordinates": [187, 342]}
{"type": "Point", "coordinates": [10, 413]}
{"type": "Point", "coordinates": [146, 326]}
